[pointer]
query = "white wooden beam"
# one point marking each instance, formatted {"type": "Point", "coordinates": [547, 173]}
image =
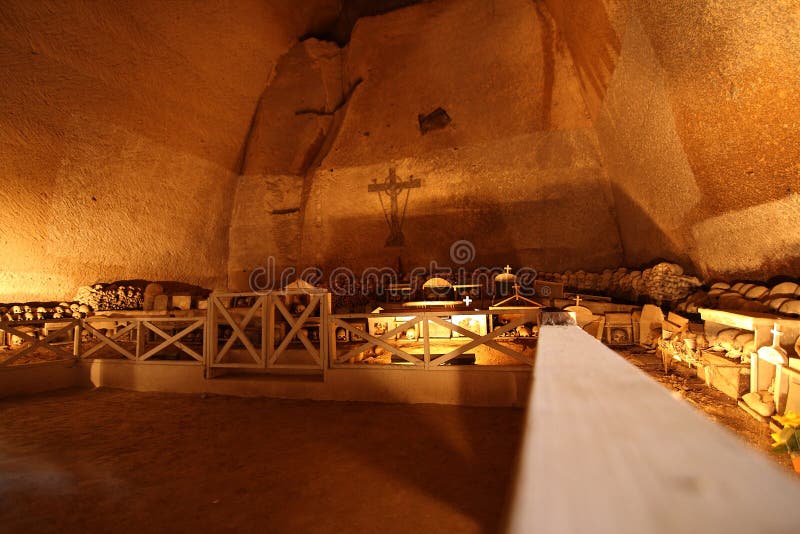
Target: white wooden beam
{"type": "Point", "coordinates": [609, 450]}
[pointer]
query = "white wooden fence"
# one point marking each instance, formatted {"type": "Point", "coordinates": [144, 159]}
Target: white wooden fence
{"type": "Point", "coordinates": [254, 341]}
{"type": "Point", "coordinates": [48, 337]}
{"type": "Point", "coordinates": [418, 353]}
{"type": "Point", "coordinates": [291, 330]}
{"type": "Point", "coordinates": [134, 338]}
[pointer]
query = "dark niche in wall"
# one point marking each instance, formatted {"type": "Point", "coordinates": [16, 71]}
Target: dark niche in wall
{"type": "Point", "coordinates": [340, 29]}
{"type": "Point", "coordinates": [435, 120]}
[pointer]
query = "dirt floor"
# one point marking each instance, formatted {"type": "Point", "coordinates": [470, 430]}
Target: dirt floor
{"type": "Point", "coordinates": [118, 461]}
{"type": "Point", "coordinates": [710, 401]}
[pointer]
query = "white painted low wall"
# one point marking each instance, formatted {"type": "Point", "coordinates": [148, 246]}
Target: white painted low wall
{"type": "Point", "coordinates": [609, 450]}
{"type": "Point", "coordinates": [39, 377]}
{"type": "Point", "coordinates": [460, 386]}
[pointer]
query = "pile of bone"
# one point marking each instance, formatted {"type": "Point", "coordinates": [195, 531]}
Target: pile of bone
{"type": "Point", "coordinates": [733, 343]}
{"type": "Point", "coordinates": [110, 297]}
{"type": "Point", "coordinates": [677, 383]}
{"type": "Point", "coordinates": [782, 298]}
{"type": "Point", "coordinates": [64, 310]}
{"type": "Point", "coordinates": [662, 282]}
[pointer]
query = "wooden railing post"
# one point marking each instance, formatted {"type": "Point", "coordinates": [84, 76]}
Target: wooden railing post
{"type": "Point", "coordinates": [76, 340]}
{"type": "Point", "coordinates": [140, 340]}
{"type": "Point", "coordinates": [269, 323]}
{"type": "Point", "coordinates": [426, 340]}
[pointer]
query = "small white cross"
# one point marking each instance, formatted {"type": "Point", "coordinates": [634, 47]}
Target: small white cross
{"type": "Point", "coordinates": [578, 300]}
{"type": "Point", "coordinates": [467, 300]}
{"type": "Point", "coordinates": [507, 269]}
{"type": "Point", "coordinates": [776, 331]}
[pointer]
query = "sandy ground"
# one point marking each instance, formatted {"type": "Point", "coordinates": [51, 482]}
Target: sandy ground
{"type": "Point", "coordinates": [109, 460]}
{"type": "Point", "coordinates": [711, 402]}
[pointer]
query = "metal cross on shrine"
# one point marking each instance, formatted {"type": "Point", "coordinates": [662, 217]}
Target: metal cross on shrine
{"type": "Point", "coordinates": [394, 187]}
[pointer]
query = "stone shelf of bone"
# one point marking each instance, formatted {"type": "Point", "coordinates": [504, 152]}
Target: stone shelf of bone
{"type": "Point", "coordinates": [774, 365]}
{"type": "Point", "coordinates": [759, 323]}
{"type": "Point", "coordinates": [781, 299]}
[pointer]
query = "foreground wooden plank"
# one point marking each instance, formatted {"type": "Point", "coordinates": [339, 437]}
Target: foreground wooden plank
{"type": "Point", "coordinates": [608, 450]}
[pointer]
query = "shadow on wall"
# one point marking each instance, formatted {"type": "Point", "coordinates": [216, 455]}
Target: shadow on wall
{"type": "Point", "coordinates": [754, 243]}
{"type": "Point", "coordinates": [565, 228]}
{"type": "Point", "coordinates": [757, 242]}
{"type": "Point", "coordinates": [644, 241]}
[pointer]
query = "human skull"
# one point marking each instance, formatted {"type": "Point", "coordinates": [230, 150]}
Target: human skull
{"type": "Point", "coordinates": [604, 281]}
{"type": "Point", "coordinates": [84, 310]}
{"type": "Point", "coordinates": [28, 309]}
{"type": "Point", "coordinates": [591, 281]}
{"type": "Point", "coordinates": [619, 336]}
{"type": "Point", "coordinates": [16, 310]}
{"type": "Point", "coordinates": [74, 308]}
{"type": "Point", "coordinates": [41, 312]}
{"type": "Point", "coordinates": [29, 316]}
{"type": "Point", "coordinates": [341, 334]}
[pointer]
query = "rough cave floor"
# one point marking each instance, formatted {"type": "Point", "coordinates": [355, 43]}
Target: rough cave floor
{"type": "Point", "coordinates": [109, 460]}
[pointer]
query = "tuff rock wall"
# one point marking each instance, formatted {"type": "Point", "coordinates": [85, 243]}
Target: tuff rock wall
{"type": "Point", "coordinates": [181, 140]}
{"type": "Point", "coordinates": [584, 134]}
{"type": "Point", "coordinates": [517, 171]}
{"type": "Point", "coordinates": [121, 134]}
{"type": "Point", "coordinates": [697, 122]}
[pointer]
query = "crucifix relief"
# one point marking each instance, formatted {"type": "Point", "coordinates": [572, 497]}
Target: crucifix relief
{"type": "Point", "coordinates": [394, 187]}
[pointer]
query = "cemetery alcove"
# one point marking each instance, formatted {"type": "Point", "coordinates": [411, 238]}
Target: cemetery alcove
{"type": "Point", "coordinates": [208, 141]}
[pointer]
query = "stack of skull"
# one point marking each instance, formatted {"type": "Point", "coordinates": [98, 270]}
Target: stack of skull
{"type": "Point", "coordinates": [24, 312]}
{"type": "Point", "coordinates": [664, 282]}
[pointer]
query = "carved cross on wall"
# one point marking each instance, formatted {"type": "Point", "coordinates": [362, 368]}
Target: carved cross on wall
{"type": "Point", "coordinates": [394, 187]}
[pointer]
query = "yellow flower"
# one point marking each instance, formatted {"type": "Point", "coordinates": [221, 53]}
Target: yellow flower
{"type": "Point", "coordinates": [789, 419]}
